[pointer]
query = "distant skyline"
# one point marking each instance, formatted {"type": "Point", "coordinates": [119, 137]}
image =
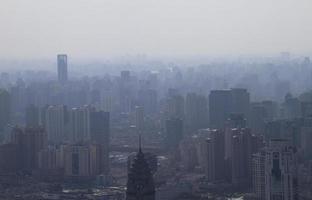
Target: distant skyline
{"type": "Point", "coordinates": [96, 28]}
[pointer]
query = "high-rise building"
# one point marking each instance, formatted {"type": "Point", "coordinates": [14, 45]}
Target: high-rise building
{"type": "Point", "coordinates": [175, 107]}
{"type": "Point", "coordinates": [5, 108]}
{"type": "Point", "coordinates": [240, 145]}
{"type": "Point", "coordinates": [240, 102]}
{"type": "Point", "coordinates": [241, 159]}
{"type": "Point", "coordinates": [174, 132]}
{"type": "Point", "coordinates": [9, 162]}
{"type": "Point", "coordinates": [125, 91]}
{"type": "Point", "coordinates": [210, 161]}
{"type": "Point", "coordinates": [196, 112]}
{"type": "Point", "coordinates": [80, 161]}
{"type": "Point", "coordinates": [306, 141]}
{"type": "Point", "coordinates": [56, 118]}
{"type": "Point", "coordinates": [100, 135]}
{"type": "Point", "coordinates": [258, 174]}
{"type": "Point", "coordinates": [222, 103]}
{"type": "Point", "coordinates": [30, 141]}
{"type": "Point", "coordinates": [140, 184]}
{"type": "Point", "coordinates": [79, 124]}
{"type": "Point", "coordinates": [215, 163]}
{"type": "Point", "coordinates": [219, 107]}
{"type": "Point", "coordinates": [281, 178]}
{"type": "Point", "coordinates": [258, 117]}
{"type": "Point", "coordinates": [62, 68]}
{"type": "Point", "coordinates": [148, 99]}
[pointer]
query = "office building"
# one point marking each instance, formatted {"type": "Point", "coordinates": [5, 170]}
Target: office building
{"type": "Point", "coordinates": [100, 135]}
{"type": "Point", "coordinates": [62, 68]}
{"type": "Point", "coordinates": [258, 174]}
{"type": "Point", "coordinates": [222, 103]}
{"type": "Point", "coordinates": [148, 99]}
{"type": "Point", "coordinates": [56, 121]}
{"type": "Point", "coordinates": [215, 163]}
{"type": "Point", "coordinates": [5, 108]}
{"type": "Point", "coordinates": [30, 141]}
{"type": "Point", "coordinates": [175, 107]}
{"type": "Point", "coordinates": [80, 161]}
{"type": "Point", "coordinates": [196, 112]}
{"type": "Point", "coordinates": [79, 124]}
{"type": "Point", "coordinates": [281, 178]}
{"type": "Point", "coordinates": [219, 107]}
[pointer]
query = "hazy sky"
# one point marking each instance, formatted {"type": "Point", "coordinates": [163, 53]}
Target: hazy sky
{"type": "Point", "coordinates": [93, 28]}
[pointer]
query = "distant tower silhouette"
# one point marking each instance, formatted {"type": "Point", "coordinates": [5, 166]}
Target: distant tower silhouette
{"type": "Point", "coordinates": [62, 68]}
{"type": "Point", "coordinates": [140, 185]}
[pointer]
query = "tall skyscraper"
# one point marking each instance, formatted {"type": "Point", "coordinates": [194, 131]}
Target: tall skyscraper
{"type": "Point", "coordinates": [140, 184]}
{"type": "Point", "coordinates": [5, 108]}
{"type": "Point", "coordinates": [219, 107]}
{"type": "Point", "coordinates": [196, 112]}
{"type": "Point", "coordinates": [258, 174]}
{"type": "Point", "coordinates": [281, 178]}
{"type": "Point", "coordinates": [240, 102]}
{"type": "Point", "coordinates": [215, 163]}
{"type": "Point", "coordinates": [100, 135]}
{"type": "Point", "coordinates": [62, 68]}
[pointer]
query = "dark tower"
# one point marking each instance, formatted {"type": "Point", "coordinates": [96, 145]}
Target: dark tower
{"type": "Point", "coordinates": [62, 68]}
{"type": "Point", "coordinates": [140, 185]}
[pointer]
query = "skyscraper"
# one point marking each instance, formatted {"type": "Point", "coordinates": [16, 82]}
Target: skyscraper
{"type": "Point", "coordinates": [62, 68]}
{"type": "Point", "coordinates": [5, 104]}
{"type": "Point", "coordinates": [222, 103]}
{"type": "Point", "coordinates": [140, 184]}
{"type": "Point", "coordinates": [219, 107]}
{"type": "Point", "coordinates": [100, 135]}
{"type": "Point", "coordinates": [79, 124]}
{"type": "Point", "coordinates": [196, 112]}
{"type": "Point", "coordinates": [258, 174]}
{"type": "Point", "coordinates": [281, 179]}
{"type": "Point", "coordinates": [55, 123]}
{"type": "Point", "coordinates": [215, 151]}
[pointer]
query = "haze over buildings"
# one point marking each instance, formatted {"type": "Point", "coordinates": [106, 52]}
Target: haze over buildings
{"type": "Point", "coordinates": [155, 100]}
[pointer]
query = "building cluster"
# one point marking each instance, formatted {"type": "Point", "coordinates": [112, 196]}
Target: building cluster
{"type": "Point", "coordinates": [28, 152]}
{"type": "Point", "coordinates": [231, 128]}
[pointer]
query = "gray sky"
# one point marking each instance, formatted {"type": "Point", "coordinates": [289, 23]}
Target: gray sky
{"type": "Point", "coordinates": [93, 28]}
